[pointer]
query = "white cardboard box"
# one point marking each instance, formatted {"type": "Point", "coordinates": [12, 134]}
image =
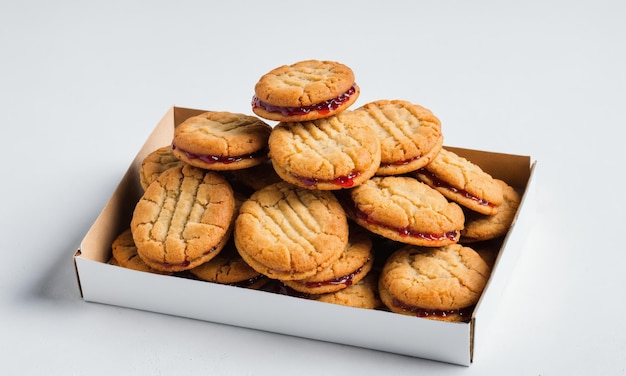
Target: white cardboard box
{"type": "Point", "coordinates": [101, 282]}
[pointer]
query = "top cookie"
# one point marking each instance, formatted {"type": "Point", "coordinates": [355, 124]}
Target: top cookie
{"type": "Point", "coordinates": [410, 135]}
{"type": "Point", "coordinates": [221, 141]}
{"type": "Point", "coordinates": [307, 90]}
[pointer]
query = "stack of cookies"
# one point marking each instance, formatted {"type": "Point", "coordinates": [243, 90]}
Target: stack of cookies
{"type": "Point", "coordinates": [361, 207]}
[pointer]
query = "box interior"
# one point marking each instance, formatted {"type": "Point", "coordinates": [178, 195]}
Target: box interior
{"type": "Point", "coordinates": [448, 342]}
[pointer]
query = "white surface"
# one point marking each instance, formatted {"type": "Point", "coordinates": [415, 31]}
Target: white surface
{"type": "Point", "coordinates": [82, 85]}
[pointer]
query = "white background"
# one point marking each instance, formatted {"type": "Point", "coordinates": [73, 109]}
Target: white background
{"type": "Point", "coordinates": [82, 84]}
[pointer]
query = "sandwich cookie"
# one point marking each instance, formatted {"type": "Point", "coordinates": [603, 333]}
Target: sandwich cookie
{"type": "Point", "coordinates": [353, 265]}
{"type": "Point", "coordinates": [228, 268]}
{"type": "Point", "coordinates": [403, 209]}
{"type": "Point", "coordinates": [155, 163]}
{"type": "Point", "coordinates": [304, 91]}
{"type": "Point", "coordinates": [462, 182]}
{"type": "Point", "coordinates": [183, 219]}
{"type": "Point", "coordinates": [221, 141]}
{"type": "Point", "coordinates": [480, 227]}
{"type": "Point", "coordinates": [327, 154]}
{"type": "Point", "coordinates": [442, 283]}
{"type": "Point", "coordinates": [125, 254]}
{"type": "Point", "coordinates": [289, 233]}
{"type": "Point", "coordinates": [410, 135]}
{"type": "Point", "coordinates": [363, 294]}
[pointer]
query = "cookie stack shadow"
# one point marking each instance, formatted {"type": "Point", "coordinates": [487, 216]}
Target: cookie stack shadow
{"type": "Point", "coordinates": [362, 207]}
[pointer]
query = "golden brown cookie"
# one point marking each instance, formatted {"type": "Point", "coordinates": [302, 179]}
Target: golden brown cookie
{"type": "Point", "coordinates": [221, 141]}
{"type": "Point", "coordinates": [228, 268]}
{"type": "Point", "coordinates": [287, 233]}
{"type": "Point", "coordinates": [403, 209]}
{"type": "Point", "coordinates": [253, 178]}
{"type": "Point", "coordinates": [480, 227]}
{"type": "Point", "coordinates": [304, 91]}
{"type": "Point", "coordinates": [155, 163]}
{"type": "Point", "coordinates": [353, 265]}
{"type": "Point", "coordinates": [125, 254]}
{"type": "Point", "coordinates": [410, 135]}
{"type": "Point", "coordinates": [463, 182]}
{"type": "Point", "coordinates": [183, 219]}
{"type": "Point", "coordinates": [326, 154]}
{"type": "Point", "coordinates": [442, 283]}
{"type": "Point", "coordinates": [363, 294]}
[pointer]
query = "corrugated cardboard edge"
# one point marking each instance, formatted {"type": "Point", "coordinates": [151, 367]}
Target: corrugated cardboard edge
{"type": "Point", "coordinates": [104, 283]}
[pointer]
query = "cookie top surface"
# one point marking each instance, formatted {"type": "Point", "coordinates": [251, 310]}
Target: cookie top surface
{"type": "Point", "coordinates": [155, 163]}
{"type": "Point", "coordinates": [480, 227]}
{"type": "Point", "coordinates": [330, 153]}
{"type": "Point", "coordinates": [410, 135]}
{"type": "Point", "coordinates": [405, 210]}
{"type": "Point", "coordinates": [306, 90]}
{"type": "Point", "coordinates": [221, 140]}
{"type": "Point", "coordinates": [462, 181]}
{"type": "Point", "coordinates": [288, 233]}
{"type": "Point", "coordinates": [183, 218]}
{"type": "Point", "coordinates": [353, 265]}
{"type": "Point", "coordinates": [442, 278]}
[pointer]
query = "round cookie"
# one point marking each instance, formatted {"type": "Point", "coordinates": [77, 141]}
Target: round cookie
{"type": "Point", "coordinates": [480, 227]}
{"type": "Point", "coordinates": [228, 268]}
{"type": "Point", "coordinates": [403, 209]}
{"type": "Point", "coordinates": [183, 219]}
{"type": "Point", "coordinates": [125, 254]}
{"type": "Point", "coordinates": [462, 182]}
{"type": "Point", "coordinates": [155, 163]}
{"type": "Point", "coordinates": [288, 233]}
{"type": "Point", "coordinates": [410, 135]}
{"type": "Point", "coordinates": [255, 177]}
{"type": "Point", "coordinates": [363, 294]}
{"type": "Point", "coordinates": [305, 91]}
{"type": "Point", "coordinates": [326, 154]}
{"type": "Point", "coordinates": [353, 265]}
{"type": "Point", "coordinates": [221, 141]}
{"type": "Point", "coordinates": [442, 283]}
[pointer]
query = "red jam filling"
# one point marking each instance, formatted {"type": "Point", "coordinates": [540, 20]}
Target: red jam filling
{"type": "Point", "coordinates": [322, 107]}
{"type": "Point", "coordinates": [347, 280]}
{"type": "Point", "coordinates": [402, 162]}
{"type": "Point", "coordinates": [345, 181]}
{"type": "Point", "coordinates": [438, 182]}
{"type": "Point", "coordinates": [210, 159]}
{"type": "Point", "coordinates": [465, 313]}
{"type": "Point", "coordinates": [451, 235]}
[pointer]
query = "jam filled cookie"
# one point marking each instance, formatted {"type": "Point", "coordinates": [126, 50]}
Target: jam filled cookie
{"type": "Point", "coordinates": [183, 219]}
{"type": "Point", "coordinates": [410, 135]}
{"type": "Point", "coordinates": [228, 268]}
{"type": "Point", "coordinates": [155, 163]}
{"type": "Point", "coordinates": [326, 154]}
{"type": "Point", "coordinates": [363, 294]}
{"type": "Point", "coordinates": [125, 254]}
{"type": "Point", "coordinates": [353, 265]}
{"type": "Point", "coordinates": [480, 227]}
{"type": "Point", "coordinates": [441, 283]}
{"type": "Point", "coordinates": [403, 209]}
{"type": "Point", "coordinates": [462, 182]}
{"type": "Point", "coordinates": [306, 90]}
{"type": "Point", "coordinates": [287, 233]}
{"type": "Point", "coordinates": [221, 141]}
